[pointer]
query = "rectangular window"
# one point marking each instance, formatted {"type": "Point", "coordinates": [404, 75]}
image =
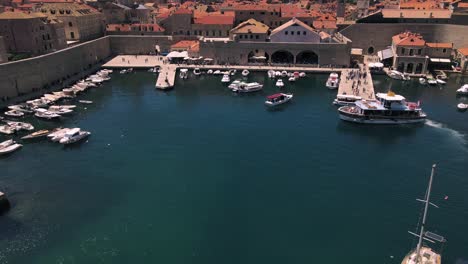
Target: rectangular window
{"type": "Point", "coordinates": [251, 36]}
{"type": "Point", "coordinates": [286, 32]}
{"type": "Point", "coordinates": [256, 36]}
{"type": "Point", "coordinates": [419, 51]}
{"type": "Point", "coordinates": [303, 33]}
{"type": "Point", "coordinates": [411, 52]}
{"type": "Point", "coordinates": [262, 13]}
{"type": "Point", "coordinates": [72, 35]}
{"type": "Point", "coordinates": [292, 32]}
{"type": "Point", "coordinates": [403, 51]}
{"type": "Point", "coordinates": [444, 50]}
{"type": "Point", "coordinates": [299, 33]}
{"type": "Point", "coordinates": [251, 13]}
{"type": "Point", "coordinates": [241, 36]}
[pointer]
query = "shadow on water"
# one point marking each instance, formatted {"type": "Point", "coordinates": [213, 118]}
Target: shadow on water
{"type": "Point", "coordinates": [380, 133]}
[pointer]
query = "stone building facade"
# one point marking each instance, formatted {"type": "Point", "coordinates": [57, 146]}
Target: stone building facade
{"type": "Point", "coordinates": [81, 22]}
{"type": "Point", "coordinates": [3, 51]}
{"type": "Point", "coordinates": [32, 33]}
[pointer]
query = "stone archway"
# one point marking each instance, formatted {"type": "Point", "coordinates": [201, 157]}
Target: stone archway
{"type": "Point", "coordinates": [282, 56]}
{"type": "Point", "coordinates": [401, 67]}
{"type": "Point", "coordinates": [307, 57]}
{"type": "Point", "coordinates": [410, 68]}
{"type": "Point", "coordinates": [419, 68]}
{"type": "Point", "coordinates": [258, 56]}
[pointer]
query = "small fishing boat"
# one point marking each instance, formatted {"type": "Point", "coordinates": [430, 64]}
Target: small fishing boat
{"type": "Point", "coordinates": [422, 80]}
{"type": "Point", "coordinates": [278, 99]}
{"type": "Point", "coordinates": [19, 125]}
{"type": "Point", "coordinates": [14, 113]}
{"type": "Point", "coordinates": [7, 130]}
{"type": "Point", "coordinates": [60, 110]}
{"type": "Point", "coordinates": [43, 113]}
{"type": "Point", "coordinates": [279, 83]}
{"type": "Point", "coordinates": [183, 73]}
{"type": "Point", "coordinates": [74, 135]}
{"type": "Point", "coordinates": [10, 148]}
{"type": "Point", "coordinates": [431, 81]}
{"type": "Point", "coordinates": [197, 71]}
{"type": "Point", "coordinates": [209, 71]}
{"type": "Point", "coordinates": [37, 134]}
{"type": "Point", "coordinates": [225, 78]}
{"type": "Point", "coordinates": [217, 72]}
{"type": "Point", "coordinates": [462, 106]}
{"type": "Point", "coordinates": [333, 81]}
{"type": "Point", "coordinates": [302, 74]}
{"type": "Point", "coordinates": [245, 73]}
{"type": "Point", "coordinates": [25, 108]}
{"type": "Point", "coordinates": [242, 87]}
{"type": "Point", "coordinates": [284, 74]}
{"type": "Point", "coordinates": [439, 81]}
{"type": "Point", "coordinates": [292, 79]}
{"type": "Point", "coordinates": [463, 90]}
{"type": "Point", "coordinates": [232, 72]}
{"type": "Point", "coordinates": [85, 102]}
{"type": "Point", "coordinates": [271, 74]}
{"type": "Point", "coordinates": [58, 134]}
{"type": "Point", "coordinates": [398, 75]}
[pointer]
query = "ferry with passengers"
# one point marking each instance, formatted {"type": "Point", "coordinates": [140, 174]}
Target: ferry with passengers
{"type": "Point", "coordinates": [389, 108]}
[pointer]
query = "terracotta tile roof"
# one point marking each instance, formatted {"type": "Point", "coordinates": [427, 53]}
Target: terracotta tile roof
{"type": "Point", "coordinates": [324, 24]}
{"type": "Point", "coordinates": [440, 45]}
{"type": "Point", "coordinates": [183, 11]}
{"type": "Point", "coordinates": [462, 5]}
{"type": "Point", "coordinates": [250, 26]}
{"type": "Point", "coordinates": [189, 45]}
{"type": "Point", "coordinates": [15, 15]}
{"type": "Point", "coordinates": [411, 13]}
{"type": "Point", "coordinates": [424, 5]}
{"type": "Point", "coordinates": [215, 20]}
{"type": "Point", "coordinates": [290, 11]}
{"type": "Point", "coordinates": [463, 51]}
{"type": "Point", "coordinates": [266, 8]}
{"type": "Point", "coordinates": [135, 27]}
{"type": "Point", "coordinates": [56, 9]}
{"type": "Point", "coordinates": [292, 22]}
{"type": "Point", "coordinates": [408, 39]}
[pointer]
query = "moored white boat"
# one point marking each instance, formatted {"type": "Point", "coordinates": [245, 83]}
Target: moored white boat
{"type": "Point", "coordinates": [10, 148]}
{"type": "Point", "coordinates": [225, 78]}
{"type": "Point", "coordinates": [277, 73]}
{"type": "Point", "coordinates": [292, 79]}
{"type": "Point", "coordinates": [7, 130]}
{"type": "Point", "coordinates": [387, 109]}
{"type": "Point", "coordinates": [243, 87]}
{"type": "Point", "coordinates": [85, 102]}
{"type": "Point", "coordinates": [279, 83]}
{"type": "Point", "coordinates": [60, 110]}
{"type": "Point", "coordinates": [57, 135]}
{"type": "Point", "coordinates": [232, 72]}
{"type": "Point", "coordinates": [25, 108]}
{"type": "Point", "coordinates": [19, 125]}
{"type": "Point", "coordinates": [302, 74]}
{"type": "Point", "coordinates": [333, 81]}
{"type": "Point", "coordinates": [6, 143]}
{"type": "Point", "coordinates": [209, 71]}
{"type": "Point", "coordinates": [183, 73]}
{"type": "Point", "coordinates": [431, 81]}
{"type": "Point", "coordinates": [463, 90]}
{"type": "Point", "coordinates": [43, 113]}
{"type": "Point", "coordinates": [217, 72]}
{"type": "Point", "coordinates": [462, 106]}
{"type": "Point", "coordinates": [196, 71]}
{"type": "Point", "coordinates": [278, 99]}
{"type": "Point", "coordinates": [422, 80]}
{"type": "Point", "coordinates": [271, 74]}
{"type": "Point", "coordinates": [284, 74]}
{"type": "Point", "coordinates": [74, 135]}
{"type": "Point", "coordinates": [14, 113]}
{"type": "Point", "coordinates": [346, 99]}
{"type": "Point", "coordinates": [398, 75]}
{"type": "Point", "coordinates": [245, 73]}
{"type": "Point", "coordinates": [439, 81]}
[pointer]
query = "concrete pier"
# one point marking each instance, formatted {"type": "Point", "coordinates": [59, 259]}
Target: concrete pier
{"type": "Point", "coordinates": [357, 82]}
{"type": "Point", "coordinates": [4, 203]}
{"type": "Point", "coordinates": [166, 77]}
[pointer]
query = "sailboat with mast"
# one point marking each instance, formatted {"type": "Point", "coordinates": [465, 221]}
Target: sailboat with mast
{"type": "Point", "coordinates": [423, 254]}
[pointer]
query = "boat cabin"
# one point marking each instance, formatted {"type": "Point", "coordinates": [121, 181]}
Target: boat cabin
{"type": "Point", "coordinates": [72, 132]}
{"type": "Point", "coordinates": [276, 97]}
{"type": "Point", "coordinates": [348, 98]}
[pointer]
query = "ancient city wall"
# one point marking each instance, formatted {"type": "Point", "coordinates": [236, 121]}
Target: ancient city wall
{"type": "Point", "coordinates": [42, 72]}
{"type": "Point", "coordinates": [140, 44]}
{"type": "Point", "coordinates": [379, 36]}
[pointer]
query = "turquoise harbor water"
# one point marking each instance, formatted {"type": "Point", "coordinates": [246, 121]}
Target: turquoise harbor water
{"type": "Point", "coordinates": [201, 175]}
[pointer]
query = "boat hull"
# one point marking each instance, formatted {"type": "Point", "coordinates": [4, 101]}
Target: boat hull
{"type": "Point", "coordinates": [380, 121]}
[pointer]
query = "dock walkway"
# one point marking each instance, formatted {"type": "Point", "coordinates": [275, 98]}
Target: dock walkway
{"type": "Point", "coordinates": [357, 82]}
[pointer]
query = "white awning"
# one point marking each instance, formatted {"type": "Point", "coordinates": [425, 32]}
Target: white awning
{"type": "Point", "coordinates": [176, 54]}
{"type": "Point", "coordinates": [440, 60]}
{"type": "Point", "coordinates": [208, 59]}
{"type": "Point", "coordinates": [385, 54]}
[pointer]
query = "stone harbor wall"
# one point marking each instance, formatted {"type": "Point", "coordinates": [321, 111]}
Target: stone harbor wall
{"type": "Point", "coordinates": [140, 45]}
{"type": "Point", "coordinates": [374, 37]}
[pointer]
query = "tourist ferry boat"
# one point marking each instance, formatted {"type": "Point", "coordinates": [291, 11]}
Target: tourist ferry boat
{"type": "Point", "coordinates": [346, 99]}
{"type": "Point", "coordinates": [389, 108]}
{"type": "Point", "coordinates": [423, 253]}
{"type": "Point", "coordinates": [333, 81]}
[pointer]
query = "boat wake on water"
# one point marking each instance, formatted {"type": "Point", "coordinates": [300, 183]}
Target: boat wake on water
{"type": "Point", "coordinates": [456, 134]}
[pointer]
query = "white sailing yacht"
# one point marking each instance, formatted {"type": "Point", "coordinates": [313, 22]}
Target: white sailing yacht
{"type": "Point", "coordinates": [422, 253]}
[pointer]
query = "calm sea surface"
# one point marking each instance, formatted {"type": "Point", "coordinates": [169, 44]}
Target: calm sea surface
{"type": "Point", "coordinates": [201, 175]}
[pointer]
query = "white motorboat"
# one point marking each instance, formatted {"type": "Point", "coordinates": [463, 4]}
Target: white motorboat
{"type": "Point", "coordinates": [57, 135]}
{"type": "Point", "coordinates": [123, 71]}
{"type": "Point", "coordinates": [277, 73]}
{"type": "Point", "coordinates": [232, 72]}
{"type": "Point", "coordinates": [346, 99]}
{"type": "Point", "coordinates": [333, 81]}
{"type": "Point", "coordinates": [431, 81]}
{"type": "Point", "coordinates": [183, 73]}
{"type": "Point", "coordinates": [242, 87]}
{"type": "Point", "coordinates": [58, 109]}
{"type": "Point", "coordinates": [196, 71]}
{"type": "Point", "coordinates": [10, 148]}
{"type": "Point", "coordinates": [389, 108]}
{"type": "Point", "coordinates": [292, 79]}
{"type": "Point", "coordinates": [154, 70]}
{"type": "Point", "coordinates": [25, 108]}
{"type": "Point", "coordinates": [6, 143]}
{"type": "Point", "coordinates": [97, 80]}
{"type": "Point", "coordinates": [398, 75]}
{"type": "Point", "coordinates": [85, 102]}
{"type": "Point", "coordinates": [279, 83]}
{"type": "Point", "coordinates": [129, 70]}
{"type": "Point", "coordinates": [225, 78]}
{"type": "Point", "coordinates": [14, 113]}
{"type": "Point", "coordinates": [462, 106]}
{"type": "Point", "coordinates": [284, 74]}
{"type": "Point", "coordinates": [43, 113]}
{"type": "Point", "coordinates": [302, 74]}
{"type": "Point", "coordinates": [278, 99]}
{"type": "Point", "coordinates": [7, 130]}
{"type": "Point", "coordinates": [245, 73]}
{"type": "Point", "coordinates": [439, 81]}
{"type": "Point", "coordinates": [74, 135]}
{"type": "Point", "coordinates": [20, 125]}
{"type": "Point", "coordinates": [217, 72]}
{"type": "Point", "coordinates": [271, 74]}
{"type": "Point", "coordinates": [209, 71]}
{"type": "Point", "coordinates": [422, 80]}
{"type": "Point", "coordinates": [463, 90]}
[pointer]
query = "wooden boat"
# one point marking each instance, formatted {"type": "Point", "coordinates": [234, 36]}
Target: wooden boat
{"type": "Point", "coordinates": [37, 134]}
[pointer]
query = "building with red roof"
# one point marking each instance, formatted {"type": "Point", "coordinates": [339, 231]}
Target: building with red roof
{"type": "Point", "coordinates": [134, 29]}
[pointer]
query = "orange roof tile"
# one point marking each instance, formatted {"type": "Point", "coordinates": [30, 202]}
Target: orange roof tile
{"type": "Point", "coordinates": [440, 45]}
{"type": "Point", "coordinates": [183, 11]}
{"type": "Point", "coordinates": [192, 45]}
{"type": "Point", "coordinates": [463, 51]}
{"type": "Point", "coordinates": [408, 39]}
{"type": "Point", "coordinates": [462, 5]}
{"type": "Point", "coordinates": [215, 20]}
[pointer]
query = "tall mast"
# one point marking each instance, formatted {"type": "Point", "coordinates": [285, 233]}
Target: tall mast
{"type": "Point", "coordinates": [426, 206]}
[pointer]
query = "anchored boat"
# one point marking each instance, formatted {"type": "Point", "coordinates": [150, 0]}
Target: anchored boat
{"type": "Point", "coordinates": [333, 81]}
{"type": "Point", "coordinates": [278, 99]}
